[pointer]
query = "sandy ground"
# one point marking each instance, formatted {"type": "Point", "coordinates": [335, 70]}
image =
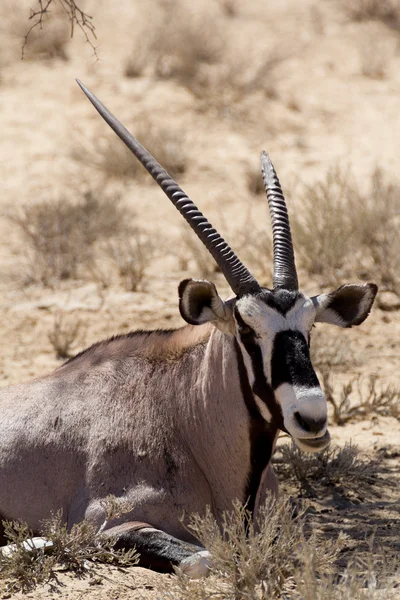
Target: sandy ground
{"type": "Point", "coordinates": [325, 112]}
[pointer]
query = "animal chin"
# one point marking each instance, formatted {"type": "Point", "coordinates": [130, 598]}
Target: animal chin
{"type": "Point", "coordinates": [314, 444]}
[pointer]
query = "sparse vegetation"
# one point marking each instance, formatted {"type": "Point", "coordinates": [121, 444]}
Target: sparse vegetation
{"type": "Point", "coordinates": [27, 566]}
{"type": "Point", "coordinates": [131, 255]}
{"type": "Point", "coordinates": [343, 231]}
{"type": "Point", "coordinates": [332, 466]}
{"type": "Point", "coordinates": [64, 334]}
{"type": "Point", "coordinates": [108, 154]}
{"type": "Point", "coordinates": [60, 234]}
{"type": "Point", "coordinates": [387, 11]}
{"type": "Point", "coordinates": [196, 46]}
{"type": "Point", "coordinates": [373, 398]}
{"type": "Point", "coordinates": [252, 562]}
{"type": "Point", "coordinates": [332, 351]}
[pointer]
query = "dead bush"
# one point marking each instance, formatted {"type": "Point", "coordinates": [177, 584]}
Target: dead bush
{"type": "Point", "coordinates": [188, 35]}
{"type": "Point", "coordinates": [200, 46]}
{"type": "Point", "coordinates": [331, 467]}
{"type": "Point", "coordinates": [225, 85]}
{"type": "Point", "coordinates": [361, 398]}
{"type": "Point", "coordinates": [131, 256]}
{"type": "Point", "coordinates": [59, 235]}
{"type": "Point", "coordinates": [387, 11]}
{"type": "Point", "coordinates": [65, 333]}
{"type": "Point", "coordinates": [323, 231]}
{"type": "Point", "coordinates": [252, 562]}
{"type": "Point", "coordinates": [25, 565]}
{"type": "Point", "coordinates": [108, 154]}
{"type": "Point", "coordinates": [341, 231]}
{"type": "Point", "coordinates": [64, 9]}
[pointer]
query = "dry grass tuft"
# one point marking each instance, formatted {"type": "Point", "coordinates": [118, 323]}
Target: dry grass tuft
{"type": "Point", "coordinates": [342, 231]}
{"type": "Point", "coordinates": [27, 566]}
{"type": "Point", "coordinates": [60, 235]}
{"type": "Point", "coordinates": [65, 333]}
{"type": "Point", "coordinates": [332, 467]}
{"type": "Point", "coordinates": [252, 562]}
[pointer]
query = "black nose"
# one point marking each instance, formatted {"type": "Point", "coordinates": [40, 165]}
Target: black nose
{"type": "Point", "coordinates": [308, 424]}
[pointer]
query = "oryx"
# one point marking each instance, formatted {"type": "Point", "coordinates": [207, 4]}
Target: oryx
{"type": "Point", "coordinates": [173, 421]}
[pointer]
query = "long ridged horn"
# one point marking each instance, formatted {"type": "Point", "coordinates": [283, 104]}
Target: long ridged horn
{"type": "Point", "coordinates": [285, 275]}
{"type": "Point", "coordinates": [236, 274]}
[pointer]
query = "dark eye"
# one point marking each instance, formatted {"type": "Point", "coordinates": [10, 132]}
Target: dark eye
{"type": "Point", "coordinates": [245, 330]}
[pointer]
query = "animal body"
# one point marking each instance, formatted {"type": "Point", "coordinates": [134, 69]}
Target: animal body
{"type": "Point", "coordinates": [173, 421]}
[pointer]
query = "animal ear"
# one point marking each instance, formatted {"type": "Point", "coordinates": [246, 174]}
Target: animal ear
{"type": "Point", "coordinates": [199, 303]}
{"type": "Point", "coordinates": [348, 305]}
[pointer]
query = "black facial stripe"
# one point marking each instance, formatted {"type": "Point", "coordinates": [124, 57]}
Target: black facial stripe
{"type": "Point", "coordinates": [291, 361]}
{"type": "Point", "coordinates": [261, 436]}
{"type": "Point", "coordinates": [281, 300]}
{"type": "Point", "coordinates": [260, 386]}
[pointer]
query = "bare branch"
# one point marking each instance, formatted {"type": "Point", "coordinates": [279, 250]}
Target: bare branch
{"type": "Point", "coordinates": [76, 16]}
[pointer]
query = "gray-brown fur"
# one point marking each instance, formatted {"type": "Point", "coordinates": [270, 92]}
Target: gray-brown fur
{"type": "Point", "coordinates": [142, 417]}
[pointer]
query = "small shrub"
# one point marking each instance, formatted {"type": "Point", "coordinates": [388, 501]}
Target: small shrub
{"type": "Point", "coordinates": [60, 234]}
{"type": "Point", "coordinates": [131, 256]}
{"type": "Point", "coordinates": [185, 38]}
{"type": "Point", "coordinates": [248, 561]}
{"type": "Point", "coordinates": [64, 334]}
{"type": "Point", "coordinates": [341, 231]}
{"type": "Point", "coordinates": [26, 566]}
{"type": "Point", "coordinates": [387, 11]}
{"type": "Point", "coordinates": [323, 231]}
{"type": "Point", "coordinates": [332, 466]}
{"type": "Point", "coordinates": [373, 398]}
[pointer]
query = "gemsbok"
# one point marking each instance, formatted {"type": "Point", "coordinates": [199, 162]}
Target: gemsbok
{"type": "Point", "coordinates": [174, 421]}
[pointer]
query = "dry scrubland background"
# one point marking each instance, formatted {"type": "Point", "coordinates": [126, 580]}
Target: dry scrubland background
{"type": "Point", "coordinates": [89, 245]}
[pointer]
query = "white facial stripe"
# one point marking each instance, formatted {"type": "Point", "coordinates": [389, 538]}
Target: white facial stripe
{"type": "Point", "coordinates": [266, 320]}
{"type": "Point", "coordinates": [262, 407]}
{"type": "Point", "coordinates": [308, 402]}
